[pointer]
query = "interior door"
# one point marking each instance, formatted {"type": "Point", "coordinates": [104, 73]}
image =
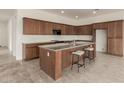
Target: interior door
{"type": "Point", "coordinates": [101, 40]}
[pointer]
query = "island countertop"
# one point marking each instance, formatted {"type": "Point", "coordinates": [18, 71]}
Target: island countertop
{"type": "Point", "coordinates": [64, 46]}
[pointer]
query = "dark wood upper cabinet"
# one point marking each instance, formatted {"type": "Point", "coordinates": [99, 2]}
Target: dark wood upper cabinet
{"type": "Point", "coordinates": [28, 26]}
{"type": "Point", "coordinates": [63, 32]}
{"type": "Point", "coordinates": [103, 25]}
{"type": "Point", "coordinates": [56, 26]}
{"type": "Point", "coordinates": [48, 28]}
{"type": "Point", "coordinates": [69, 30]}
{"type": "Point", "coordinates": [84, 30]}
{"type": "Point", "coordinates": [42, 28]}
{"type": "Point", "coordinates": [115, 29]}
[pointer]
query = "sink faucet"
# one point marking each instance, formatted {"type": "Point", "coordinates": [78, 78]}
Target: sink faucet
{"type": "Point", "coordinates": [74, 42]}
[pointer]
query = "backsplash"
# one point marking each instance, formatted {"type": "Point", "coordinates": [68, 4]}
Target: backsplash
{"type": "Point", "coordinates": [45, 38]}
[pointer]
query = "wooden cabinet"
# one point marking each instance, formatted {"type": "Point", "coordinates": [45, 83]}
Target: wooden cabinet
{"type": "Point", "coordinates": [31, 27]}
{"type": "Point", "coordinates": [100, 25]}
{"type": "Point", "coordinates": [111, 47]}
{"type": "Point", "coordinates": [84, 30]}
{"type": "Point", "coordinates": [39, 27]}
{"type": "Point", "coordinates": [69, 30]}
{"type": "Point", "coordinates": [48, 28]}
{"type": "Point", "coordinates": [115, 47]}
{"type": "Point", "coordinates": [56, 26]}
{"type": "Point", "coordinates": [63, 32]}
{"type": "Point", "coordinates": [51, 64]}
{"type": "Point", "coordinates": [31, 51]}
{"type": "Point", "coordinates": [42, 28]}
{"type": "Point", "coordinates": [46, 63]}
{"type": "Point", "coordinates": [115, 29]}
{"type": "Point", "coordinates": [115, 38]}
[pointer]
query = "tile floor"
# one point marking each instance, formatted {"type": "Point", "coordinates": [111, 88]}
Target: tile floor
{"type": "Point", "coordinates": [105, 69]}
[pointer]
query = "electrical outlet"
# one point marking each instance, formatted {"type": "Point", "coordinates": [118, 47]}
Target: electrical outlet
{"type": "Point", "coordinates": [48, 54]}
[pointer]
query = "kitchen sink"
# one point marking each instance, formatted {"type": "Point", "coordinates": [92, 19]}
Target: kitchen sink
{"type": "Point", "coordinates": [64, 46]}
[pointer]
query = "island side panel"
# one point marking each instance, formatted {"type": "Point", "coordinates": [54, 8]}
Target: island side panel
{"type": "Point", "coordinates": [58, 65]}
{"type": "Point", "coordinates": [50, 62]}
{"type": "Point", "coordinates": [45, 61]}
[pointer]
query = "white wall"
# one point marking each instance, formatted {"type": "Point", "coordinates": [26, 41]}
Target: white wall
{"type": "Point", "coordinates": [101, 40]}
{"type": "Point", "coordinates": [12, 35]}
{"type": "Point", "coordinates": [41, 15]}
{"type": "Point", "coordinates": [3, 34]}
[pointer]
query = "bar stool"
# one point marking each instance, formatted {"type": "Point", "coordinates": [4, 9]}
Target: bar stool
{"type": "Point", "coordinates": [89, 53]}
{"type": "Point", "coordinates": [80, 55]}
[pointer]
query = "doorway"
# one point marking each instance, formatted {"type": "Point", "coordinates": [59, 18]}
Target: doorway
{"type": "Point", "coordinates": [101, 40]}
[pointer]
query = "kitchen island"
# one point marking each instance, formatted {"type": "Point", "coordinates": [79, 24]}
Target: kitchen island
{"type": "Point", "coordinates": [56, 57]}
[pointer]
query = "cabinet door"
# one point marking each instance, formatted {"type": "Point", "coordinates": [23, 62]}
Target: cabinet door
{"type": "Point", "coordinates": [100, 26]}
{"type": "Point", "coordinates": [35, 51]}
{"type": "Point", "coordinates": [115, 46]}
{"type": "Point", "coordinates": [31, 26]}
{"type": "Point", "coordinates": [115, 29]}
{"type": "Point", "coordinates": [42, 28]}
{"type": "Point", "coordinates": [69, 30]}
{"type": "Point", "coordinates": [29, 53]}
{"type": "Point", "coordinates": [56, 26]}
{"type": "Point", "coordinates": [118, 29]}
{"type": "Point", "coordinates": [118, 47]}
{"type": "Point", "coordinates": [84, 30]}
{"type": "Point", "coordinates": [63, 31]}
{"type": "Point", "coordinates": [28, 26]}
{"type": "Point", "coordinates": [48, 28]}
{"type": "Point", "coordinates": [87, 30]}
{"type": "Point", "coordinates": [111, 29]}
{"type": "Point", "coordinates": [47, 63]}
{"type": "Point", "coordinates": [111, 46]}
{"type": "Point", "coordinates": [36, 24]}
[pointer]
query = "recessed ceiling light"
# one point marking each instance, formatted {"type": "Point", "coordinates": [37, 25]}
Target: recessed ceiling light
{"type": "Point", "coordinates": [76, 17]}
{"type": "Point", "coordinates": [62, 12]}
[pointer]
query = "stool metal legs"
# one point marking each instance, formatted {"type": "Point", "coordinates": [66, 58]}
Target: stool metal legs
{"type": "Point", "coordinates": [78, 62]}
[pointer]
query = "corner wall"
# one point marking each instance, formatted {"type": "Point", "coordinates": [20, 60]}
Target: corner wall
{"type": "Point", "coordinates": [3, 34]}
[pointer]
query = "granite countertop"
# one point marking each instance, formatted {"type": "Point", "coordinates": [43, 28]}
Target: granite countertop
{"type": "Point", "coordinates": [64, 46]}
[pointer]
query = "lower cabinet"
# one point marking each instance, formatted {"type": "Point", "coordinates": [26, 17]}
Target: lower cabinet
{"type": "Point", "coordinates": [31, 51]}
{"type": "Point", "coordinates": [115, 46]}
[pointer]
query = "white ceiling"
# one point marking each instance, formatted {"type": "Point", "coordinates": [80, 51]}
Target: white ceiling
{"type": "Point", "coordinates": [82, 13]}
{"type": "Point", "coordinates": [5, 14]}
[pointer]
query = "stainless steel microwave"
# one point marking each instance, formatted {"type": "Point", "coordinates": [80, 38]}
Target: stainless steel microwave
{"type": "Point", "coordinates": [56, 32]}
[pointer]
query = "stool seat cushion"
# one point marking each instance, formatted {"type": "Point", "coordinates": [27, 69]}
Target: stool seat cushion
{"type": "Point", "coordinates": [78, 53]}
{"type": "Point", "coordinates": [89, 49]}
